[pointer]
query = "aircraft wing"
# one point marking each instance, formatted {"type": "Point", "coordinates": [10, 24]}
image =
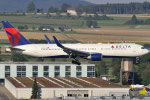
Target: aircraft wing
{"type": "Point", "coordinates": [48, 40]}
{"type": "Point", "coordinates": [70, 51]}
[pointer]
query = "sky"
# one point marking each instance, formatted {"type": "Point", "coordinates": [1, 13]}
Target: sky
{"type": "Point", "coordinates": [114, 1]}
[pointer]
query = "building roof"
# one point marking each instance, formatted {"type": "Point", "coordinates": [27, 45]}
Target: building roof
{"type": "Point", "coordinates": [64, 63]}
{"type": "Point", "coordinates": [70, 8]}
{"type": "Point", "coordinates": [63, 82]}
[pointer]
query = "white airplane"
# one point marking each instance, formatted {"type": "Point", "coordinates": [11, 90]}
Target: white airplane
{"type": "Point", "coordinates": [94, 52]}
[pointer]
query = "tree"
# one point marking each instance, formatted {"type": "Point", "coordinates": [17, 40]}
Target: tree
{"type": "Point", "coordinates": [33, 28]}
{"type": "Point", "coordinates": [64, 7]}
{"type": "Point", "coordinates": [48, 15]}
{"type": "Point", "coordinates": [40, 28]}
{"type": "Point", "coordinates": [79, 10]}
{"type": "Point", "coordinates": [40, 10]}
{"type": "Point", "coordinates": [31, 7]}
{"type": "Point", "coordinates": [58, 14]}
{"type": "Point", "coordinates": [96, 17]}
{"type": "Point", "coordinates": [134, 21]}
{"type": "Point", "coordinates": [89, 23]}
{"type": "Point", "coordinates": [25, 27]}
{"type": "Point", "coordinates": [101, 68]}
{"type": "Point", "coordinates": [23, 14]}
{"type": "Point", "coordinates": [94, 23]}
{"type": "Point", "coordinates": [52, 9]}
{"type": "Point", "coordinates": [116, 65]}
{"type": "Point", "coordinates": [34, 90]}
{"type": "Point", "coordinates": [68, 15]}
{"type": "Point", "coordinates": [90, 17]}
{"type": "Point", "coordinates": [146, 76]}
{"type": "Point", "coordinates": [18, 57]}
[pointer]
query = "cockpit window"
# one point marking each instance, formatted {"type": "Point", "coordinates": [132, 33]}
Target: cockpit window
{"type": "Point", "coordinates": [142, 47]}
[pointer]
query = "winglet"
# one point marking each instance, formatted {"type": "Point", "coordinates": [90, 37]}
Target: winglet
{"type": "Point", "coordinates": [48, 40]}
{"type": "Point", "coordinates": [57, 42]}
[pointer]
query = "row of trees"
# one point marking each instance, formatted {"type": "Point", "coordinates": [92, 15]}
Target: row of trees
{"type": "Point", "coordinates": [31, 8]}
{"type": "Point", "coordinates": [12, 14]}
{"type": "Point", "coordinates": [40, 28]}
{"type": "Point", "coordinates": [135, 21]}
{"type": "Point", "coordinates": [130, 8]}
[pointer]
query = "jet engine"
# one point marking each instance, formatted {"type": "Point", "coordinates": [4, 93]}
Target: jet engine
{"type": "Point", "coordinates": [95, 57]}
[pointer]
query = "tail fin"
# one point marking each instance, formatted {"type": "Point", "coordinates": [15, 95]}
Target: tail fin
{"type": "Point", "coordinates": [13, 34]}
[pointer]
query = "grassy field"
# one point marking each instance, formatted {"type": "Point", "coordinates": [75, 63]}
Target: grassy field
{"type": "Point", "coordinates": [110, 31]}
{"type": "Point", "coordinates": [37, 35]}
{"type": "Point", "coordinates": [37, 21]}
{"type": "Point", "coordinates": [113, 34]}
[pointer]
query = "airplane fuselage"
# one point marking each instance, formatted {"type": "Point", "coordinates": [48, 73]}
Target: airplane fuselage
{"type": "Point", "coordinates": [107, 50]}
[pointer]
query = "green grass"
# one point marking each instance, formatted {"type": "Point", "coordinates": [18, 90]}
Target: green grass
{"type": "Point", "coordinates": [34, 21]}
{"type": "Point", "coordinates": [37, 20]}
{"type": "Point", "coordinates": [143, 43]}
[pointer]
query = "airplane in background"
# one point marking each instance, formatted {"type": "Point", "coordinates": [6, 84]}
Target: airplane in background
{"type": "Point", "coordinates": [94, 52]}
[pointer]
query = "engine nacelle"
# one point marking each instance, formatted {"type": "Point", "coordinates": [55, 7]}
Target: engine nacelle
{"type": "Point", "coordinates": [95, 57]}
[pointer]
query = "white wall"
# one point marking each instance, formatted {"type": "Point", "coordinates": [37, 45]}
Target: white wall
{"type": "Point", "coordinates": [25, 93]}
{"type": "Point", "coordinates": [11, 88]}
{"type": "Point", "coordinates": [13, 69]}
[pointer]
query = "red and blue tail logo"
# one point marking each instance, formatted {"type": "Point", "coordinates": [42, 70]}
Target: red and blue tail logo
{"type": "Point", "coordinates": [13, 34]}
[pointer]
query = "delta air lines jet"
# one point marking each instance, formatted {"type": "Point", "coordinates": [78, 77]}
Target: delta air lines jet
{"type": "Point", "coordinates": [94, 52]}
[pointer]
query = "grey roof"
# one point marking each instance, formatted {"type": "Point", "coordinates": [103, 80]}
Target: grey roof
{"type": "Point", "coordinates": [64, 63]}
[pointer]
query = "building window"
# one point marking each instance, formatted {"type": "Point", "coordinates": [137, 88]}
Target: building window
{"type": "Point", "coordinates": [78, 71]}
{"type": "Point", "coordinates": [57, 68]}
{"type": "Point", "coordinates": [69, 95]}
{"type": "Point", "coordinates": [35, 71]}
{"type": "Point", "coordinates": [90, 71]}
{"type": "Point", "coordinates": [46, 71]}
{"type": "Point", "coordinates": [68, 68]}
{"type": "Point", "coordinates": [21, 71]}
{"type": "Point", "coordinates": [68, 74]}
{"type": "Point", "coordinates": [35, 74]}
{"type": "Point", "coordinates": [68, 71]}
{"type": "Point", "coordinates": [86, 95]}
{"type": "Point", "coordinates": [7, 68]}
{"type": "Point", "coordinates": [90, 74]}
{"type": "Point", "coordinates": [46, 74]}
{"type": "Point", "coordinates": [46, 68]}
{"type": "Point", "coordinates": [78, 68]}
{"type": "Point", "coordinates": [7, 71]}
{"type": "Point", "coordinates": [57, 71]}
{"type": "Point", "coordinates": [90, 68]}
{"type": "Point", "coordinates": [35, 68]}
{"type": "Point", "coordinates": [78, 74]}
{"type": "Point", "coordinates": [57, 74]}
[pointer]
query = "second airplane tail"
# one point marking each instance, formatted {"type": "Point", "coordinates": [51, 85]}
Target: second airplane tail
{"type": "Point", "coordinates": [13, 34]}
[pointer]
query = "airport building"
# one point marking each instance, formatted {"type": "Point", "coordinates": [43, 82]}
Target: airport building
{"type": "Point", "coordinates": [45, 69]}
{"type": "Point", "coordinates": [64, 87]}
